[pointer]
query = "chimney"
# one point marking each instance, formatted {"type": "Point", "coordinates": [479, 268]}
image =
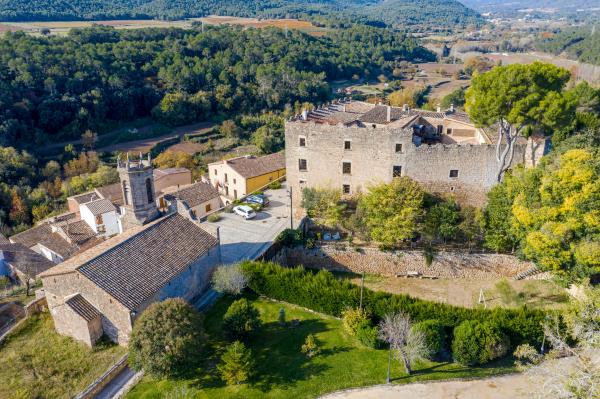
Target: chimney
{"type": "Point", "coordinates": [389, 114]}
{"type": "Point", "coordinates": [344, 108]}
{"type": "Point", "coordinates": [304, 115]}
{"type": "Point", "coordinates": [405, 108]}
{"type": "Point", "coordinates": [439, 109]}
{"type": "Point", "coordinates": [451, 107]}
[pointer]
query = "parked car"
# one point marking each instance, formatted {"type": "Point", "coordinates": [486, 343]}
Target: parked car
{"type": "Point", "coordinates": [245, 211]}
{"type": "Point", "coordinates": [259, 199]}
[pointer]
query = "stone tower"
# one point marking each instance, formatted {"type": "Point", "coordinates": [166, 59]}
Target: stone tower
{"type": "Point", "coordinates": [137, 186]}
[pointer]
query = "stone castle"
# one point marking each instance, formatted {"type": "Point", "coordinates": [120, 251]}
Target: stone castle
{"type": "Point", "coordinates": [350, 145]}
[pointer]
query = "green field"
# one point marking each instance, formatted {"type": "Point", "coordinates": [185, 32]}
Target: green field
{"type": "Point", "coordinates": [282, 371]}
{"type": "Point", "coordinates": [39, 363]}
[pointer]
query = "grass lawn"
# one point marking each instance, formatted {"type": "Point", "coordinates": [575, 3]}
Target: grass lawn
{"type": "Point", "coordinates": [39, 363]}
{"type": "Point", "coordinates": [283, 372]}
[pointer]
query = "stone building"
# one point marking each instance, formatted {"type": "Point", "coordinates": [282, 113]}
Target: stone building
{"type": "Point", "coordinates": [139, 196]}
{"type": "Point", "coordinates": [238, 177]}
{"type": "Point", "coordinates": [103, 290]}
{"type": "Point", "coordinates": [200, 198]}
{"type": "Point", "coordinates": [350, 145]}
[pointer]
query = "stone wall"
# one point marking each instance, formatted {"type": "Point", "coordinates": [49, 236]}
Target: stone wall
{"type": "Point", "coordinates": [373, 155]}
{"type": "Point", "coordinates": [341, 257]}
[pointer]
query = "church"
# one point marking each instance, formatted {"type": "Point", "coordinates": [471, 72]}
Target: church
{"type": "Point", "coordinates": [102, 290]}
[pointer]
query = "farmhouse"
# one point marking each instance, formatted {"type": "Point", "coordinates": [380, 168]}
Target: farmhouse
{"type": "Point", "coordinates": [350, 145]}
{"type": "Point", "coordinates": [200, 198]}
{"type": "Point", "coordinates": [103, 290]}
{"type": "Point", "coordinates": [237, 177]}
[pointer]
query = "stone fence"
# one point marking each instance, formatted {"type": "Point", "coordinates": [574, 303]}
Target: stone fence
{"type": "Point", "coordinates": [445, 264]}
{"type": "Point", "coordinates": [100, 382]}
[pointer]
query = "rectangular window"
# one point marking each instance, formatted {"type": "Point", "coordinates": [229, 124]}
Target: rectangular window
{"type": "Point", "coordinates": [347, 145]}
{"type": "Point", "coordinates": [233, 181]}
{"type": "Point", "coordinates": [302, 142]}
{"type": "Point", "coordinates": [302, 182]}
{"type": "Point", "coordinates": [449, 131]}
{"type": "Point", "coordinates": [398, 147]}
{"type": "Point", "coordinates": [397, 171]}
{"type": "Point", "coordinates": [346, 168]}
{"type": "Point", "coordinates": [440, 129]}
{"type": "Point", "coordinates": [225, 177]}
{"type": "Point", "coordinates": [346, 189]}
{"type": "Point", "coordinates": [453, 173]}
{"type": "Point", "coordinates": [302, 164]}
{"type": "Point", "coordinates": [215, 172]}
{"type": "Point", "coordinates": [207, 208]}
{"type": "Point", "coordinates": [234, 194]}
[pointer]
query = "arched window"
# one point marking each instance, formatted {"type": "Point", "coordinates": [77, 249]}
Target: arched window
{"type": "Point", "coordinates": [149, 192]}
{"type": "Point", "coordinates": [125, 193]}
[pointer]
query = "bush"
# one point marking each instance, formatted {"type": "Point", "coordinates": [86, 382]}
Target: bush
{"type": "Point", "coordinates": [276, 185]}
{"type": "Point", "coordinates": [368, 335]}
{"type": "Point", "coordinates": [311, 346]}
{"type": "Point", "coordinates": [289, 237]}
{"type": "Point", "coordinates": [478, 342]}
{"type": "Point", "coordinates": [354, 318]}
{"type": "Point", "coordinates": [435, 336]}
{"type": "Point", "coordinates": [324, 293]}
{"type": "Point", "coordinates": [166, 339]}
{"type": "Point", "coordinates": [236, 364]}
{"type": "Point", "coordinates": [229, 279]}
{"type": "Point", "coordinates": [241, 319]}
{"type": "Point", "coordinates": [214, 217]}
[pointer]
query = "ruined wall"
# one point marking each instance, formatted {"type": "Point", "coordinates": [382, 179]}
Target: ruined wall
{"type": "Point", "coordinates": [340, 257]}
{"type": "Point", "coordinates": [373, 156]}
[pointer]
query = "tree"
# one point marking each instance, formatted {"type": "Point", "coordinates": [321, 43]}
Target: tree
{"type": "Point", "coordinates": [87, 162]}
{"type": "Point", "coordinates": [353, 318]}
{"type": "Point", "coordinates": [407, 343]}
{"type": "Point", "coordinates": [229, 279]}
{"type": "Point", "coordinates": [51, 170]}
{"type": "Point", "coordinates": [478, 342]}
{"type": "Point", "coordinates": [88, 139]}
{"type": "Point", "coordinates": [267, 139]}
{"type": "Point", "coordinates": [435, 336]}
{"type": "Point", "coordinates": [175, 159]}
{"type": "Point", "coordinates": [456, 98]}
{"type": "Point", "coordinates": [311, 346]}
{"type": "Point", "coordinates": [442, 220]}
{"type": "Point", "coordinates": [472, 224]}
{"type": "Point", "coordinates": [241, 319]}
{"type": "Point", "coordinates": [229, 129]}
{"type": "Point", "coordinates": [324, 206]}
{"type": "Point", "coordinates": [19, 212]}
{"type": "Point", "coordinates": [166, 338]}
{"type": "Point", "coordinates": [393, 210]}
{"type": "Point", "coordinates": [411, 96]}
{"type": "Point", "coordinates": [519, 99]}
{"type": "Point", "coordinates": [236, 364]}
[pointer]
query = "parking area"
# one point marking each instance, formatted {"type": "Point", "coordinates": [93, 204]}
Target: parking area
{"type": "Point", "coordinates": [247, 239]}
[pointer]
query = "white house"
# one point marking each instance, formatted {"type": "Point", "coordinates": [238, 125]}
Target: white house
{"type": "Point", "coordinates": [101, 215]}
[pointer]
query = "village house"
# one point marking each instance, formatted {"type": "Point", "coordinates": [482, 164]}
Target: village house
{"type": "Point", "coordinates": [103, 290]}
{"type": "Point", "coordinates": [200, 198]}
{"type": "Point", "coordinates": [350, 145]}
{"type": "Point", "coordinates": [237, 177]}
{"type": "Point", "coordinates": [20, 263]}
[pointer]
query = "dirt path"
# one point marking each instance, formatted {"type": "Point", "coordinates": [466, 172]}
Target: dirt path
{"type": "Point", "coordinates": [517, 386]}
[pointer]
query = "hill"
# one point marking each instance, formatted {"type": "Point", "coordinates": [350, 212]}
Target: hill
{"type": "Point", "coordinates": [546, 9]}
{"type": "Point", "coordinates": [581, 43]}
{"type": "Point", "coordinates": [444, 13]}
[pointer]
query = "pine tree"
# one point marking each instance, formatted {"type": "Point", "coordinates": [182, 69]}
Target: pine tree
{"type": "Point", "coordinates": [236, 364]}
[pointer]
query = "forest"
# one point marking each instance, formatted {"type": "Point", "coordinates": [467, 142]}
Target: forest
{"type": "Point", "coordinates": [444, 13]}
{"type": "Point", "coordinates": [581, 43]}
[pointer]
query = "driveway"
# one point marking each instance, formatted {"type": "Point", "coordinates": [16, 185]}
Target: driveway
{"type": "Point", "coordinates": [247, 239]}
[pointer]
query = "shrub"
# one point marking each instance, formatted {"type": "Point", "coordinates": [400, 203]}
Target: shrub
{"type": "Point", "coordinates": [478, 342]}
{"type": "Point", "coordinates": [526, 356]}
{"type": "Point", "coordinates": [229, 279]}
{"type": "Point", "coordinates": [289, 237]}
{"type": "Point", "coordinates": [311, 346]}
{"type": "Point", "coordinates": [241, 319]}
{"type": "Point", "coordinates": [166, 338]}
{"type": "Point", "coordinates": [276, 185]}
{"type": "Point", "coordinates": [353, 318]}
{"type": "Point", "coordinates": [435, 336]}
{"type": "Point", "coordinates": [236, 364]}
{"type": "Point", "coordinates": [214, 217]}
{"type": "Point", "coordinates": [368, 335]}
{"type": "Point", "coordinates": [324, 293]}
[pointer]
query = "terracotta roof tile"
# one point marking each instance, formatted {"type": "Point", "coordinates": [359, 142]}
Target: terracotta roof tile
{"type": "Point", "coordinates": [112, 192]}
{"type": "Point", "coordinates": [195, 194]}
{"type": "Point", "coordinates": [251, 166]}
{"type": "Point", "coordinates": [100, 206]}
{"type": "Point", "coordinates": [24, 259]}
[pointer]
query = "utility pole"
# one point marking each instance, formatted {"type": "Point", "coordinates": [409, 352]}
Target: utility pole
{"type": "Point", "coordinates": [389, 364]}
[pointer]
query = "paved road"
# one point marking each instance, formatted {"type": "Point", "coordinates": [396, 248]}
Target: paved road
{"type": "Point", "coordinates": [240, 239]}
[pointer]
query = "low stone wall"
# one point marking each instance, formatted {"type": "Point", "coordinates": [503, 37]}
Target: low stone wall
{"type": "Point", "coordinates": [446, 264]}
{"type": "Point", "coordinates": [96, 386]}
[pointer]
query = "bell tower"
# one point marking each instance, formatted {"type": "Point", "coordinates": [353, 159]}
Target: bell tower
{"type": "Point", "coordinates": [137, 186]}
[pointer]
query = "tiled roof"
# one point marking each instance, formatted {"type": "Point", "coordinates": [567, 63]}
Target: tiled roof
{"type": "Point", "coordinates": [379, 114]}
{"type": "Point", "coordinates": [24, 259]}
{"type": "Point", "coordinates": [133, 267]}
{"type": "Point", "coordinates": [112, 192]}
{"type": "Point", "coordinates": [42, 234]}
{"type": "Point", "coordinates": [78, 232]}
{"type": "Point", "coordinates": [4, 240]}
{"type": "Point", "coordinates": [158, 173]}
{"type": "Point", "coordinates": [85, 198]}
{"type": "Point", "coordinates": [100, 206]}
{"type": "Point", "coordinates": [250, 166]}
{"type": "Point", "coordinates": [82, 307]}
{"type": "Point", "coordinates": [195, 194]}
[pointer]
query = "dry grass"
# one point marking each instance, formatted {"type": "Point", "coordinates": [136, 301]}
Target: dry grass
{"type": "Point", "coordinates": [39, 363]}
{"type": "Point", "coordinates": [462, 292]}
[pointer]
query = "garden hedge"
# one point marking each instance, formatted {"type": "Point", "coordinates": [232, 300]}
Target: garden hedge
{"type": "Point", "coordinates": [324, 293]}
